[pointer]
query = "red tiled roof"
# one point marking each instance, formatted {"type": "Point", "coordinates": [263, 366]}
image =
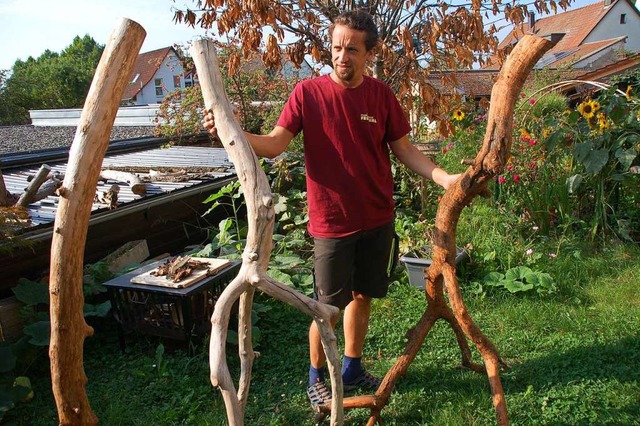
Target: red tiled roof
{"type": "Point", "coordinates": [572, 27]}
{"type": "Point", "coordinates": [575, 24]}
{"type": "Point", "coordinates": [147, 64]}
{"type": "Point", "coordinates": [473, 83]}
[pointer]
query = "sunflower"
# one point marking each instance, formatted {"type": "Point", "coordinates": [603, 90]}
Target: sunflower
{"type": "Point", "coordinates": [586, 109]}
{"type": "Point", "coordinates": [458, 115]}
{"type": "Point", "coordinates": [595, 105]}
{"type": "Point", "coordinates": [628, 92]}
{"type": "Point", "coordinates": [602, 122]}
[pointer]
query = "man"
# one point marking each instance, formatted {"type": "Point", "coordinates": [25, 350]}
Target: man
{"type": "Point", "coordinates": [349, 122]}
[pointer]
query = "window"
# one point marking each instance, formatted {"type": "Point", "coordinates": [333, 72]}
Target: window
{"type": "Point", "coordinates": [158, 84]}
{"type": "Point", "coordinates": [623, 18]}
{"type": "Point", "coordinates": [176, 82]}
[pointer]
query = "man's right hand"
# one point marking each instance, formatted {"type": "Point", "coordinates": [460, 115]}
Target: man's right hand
{"type": "Point", "coordinates": [209, 123]}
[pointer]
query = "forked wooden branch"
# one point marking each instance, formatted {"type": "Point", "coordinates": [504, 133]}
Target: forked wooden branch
{"type": "Point", "coordinates": [489, 162]}
{"type": "Point", "coordinates": [68, 327]}
{"type": "Point", "coordinates": [255, 258]}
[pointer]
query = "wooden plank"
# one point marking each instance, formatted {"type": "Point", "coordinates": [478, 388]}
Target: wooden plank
{"type": "Point", "coordinates": [215, 265]}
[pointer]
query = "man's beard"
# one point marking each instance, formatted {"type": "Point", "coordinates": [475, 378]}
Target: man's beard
{"type": "Point", "coordinates": [345, 74]}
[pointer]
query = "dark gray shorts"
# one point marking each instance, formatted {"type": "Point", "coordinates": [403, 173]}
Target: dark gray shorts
{"type": "Point", "coordinates": [361, 262]}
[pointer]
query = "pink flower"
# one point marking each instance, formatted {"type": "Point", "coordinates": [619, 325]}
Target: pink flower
{"type": "Point", "coordinates": [516, 178]}
{"type": "Point", "coordinates": [509, 166]}
{"type": "Point", "coordinates": [529, 252]}
{"type": "Point", "coordinates": [532, 101]}
{"type": "Point", "coordinates": [501, 179]}
{"type": "Point", "coordinates": [522, 95]}
{"type": "Point", "coordinates": [532, 142]}
{"type": "Point", "coordinates": [553, 255]}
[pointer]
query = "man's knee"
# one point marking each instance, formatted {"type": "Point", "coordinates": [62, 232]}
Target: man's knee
{"type": "Point", "coordinates": [360, 298]}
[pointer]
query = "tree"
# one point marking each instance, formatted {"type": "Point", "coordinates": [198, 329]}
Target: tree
{"type": "Point", "coordinates": [417, 37]}
{"type": "Point", "coordinates": [252, 90]}
{"type": "Point", "coordinates": [53, 80]}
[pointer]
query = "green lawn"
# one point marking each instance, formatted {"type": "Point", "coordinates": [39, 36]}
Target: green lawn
{"type": "Point", "coordinates": [574, 360]}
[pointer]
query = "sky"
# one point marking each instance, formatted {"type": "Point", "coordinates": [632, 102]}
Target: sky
{"type": "Point", "coordinates": [29, 27]}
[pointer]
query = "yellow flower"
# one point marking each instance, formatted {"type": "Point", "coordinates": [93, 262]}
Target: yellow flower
{"type": "Point", "coordinates": [602, 122]}
{"type": "Point", "coordinates": [595, 105]}
{"type": "Point", "coordinates": [546, 132]}
{"type": "Point", "coordinates": [586, 109]}
{"type": "Point", "coordinates": [458, 115]}
{"type": "Point", "coordinates": [628, 93]}
{"type": "Point", "coordinates": [524, 134]}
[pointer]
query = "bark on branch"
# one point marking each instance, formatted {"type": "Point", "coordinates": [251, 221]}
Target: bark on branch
{"type": "Point", "coordinates": [255, 257]}
{"type": "Point", "coordinates": [68, 327]}
{"type": "Point", "coordinates": [138, 187]}
{"type": "Point", "coordinates": [28, 196]}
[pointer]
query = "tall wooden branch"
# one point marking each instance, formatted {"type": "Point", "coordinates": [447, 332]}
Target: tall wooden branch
{"type": "Point", "coordinates": [489, 162]}
{"type": "Point", "coordinates": [252, 274]}
{"type": "Point", "coordinates": [68, 328]}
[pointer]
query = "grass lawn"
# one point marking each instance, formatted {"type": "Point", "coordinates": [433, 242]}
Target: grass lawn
{"type": "Point", "coordinates": [574, 360]}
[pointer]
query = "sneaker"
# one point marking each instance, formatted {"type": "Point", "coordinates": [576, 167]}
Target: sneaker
{"type": "Point", "coordinates": [365, 381]}
{"type": "Point", "coordinates": [319, 395]}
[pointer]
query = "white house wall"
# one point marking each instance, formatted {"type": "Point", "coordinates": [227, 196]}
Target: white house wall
{"type": "Point", "coordinates": [170, 66]}
{"type": "Point", "coordinates": [601, 58]}
{"type": "Point", "coordinates": [610, 26]}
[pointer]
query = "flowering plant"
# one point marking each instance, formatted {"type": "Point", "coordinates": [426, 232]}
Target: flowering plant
{"type": "Point", "coordinates": [592, 150]}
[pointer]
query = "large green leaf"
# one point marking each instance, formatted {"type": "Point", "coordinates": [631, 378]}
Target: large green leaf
{"type": "Point", "coordinates": [517, 286]}
{"type": "Point", "coordinates": [596, 160]}
{"type": "Point", "coordinates": [518, 273]}
{"type": "Point", "coordinates": [573, 183]}
{"type": "Point", "coordinates": [31, 293]}
{"type": "Point", "coordinates": [7, 357]}
{"type": "Point", "coordinates": [626, 157]}
{"type": "Point", "coordinates": [582, 150]}
{"type": "Point", "coordinates": [40, 333]}
{"type": "Point", "coordinates": [100, 310]}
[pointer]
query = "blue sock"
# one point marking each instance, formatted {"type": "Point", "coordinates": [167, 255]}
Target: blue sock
{"type": "Point", "coordinates": [316, 375]}
{"type": "Point", "coordinates": [351, 369]}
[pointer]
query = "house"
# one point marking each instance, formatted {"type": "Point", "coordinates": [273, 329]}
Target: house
{"type": "Point", "coordinates": [155, 74]}
{"type": "Point", "coordinates": [586, 38]}
{"type": "Point", "coordinates": [594, 42]}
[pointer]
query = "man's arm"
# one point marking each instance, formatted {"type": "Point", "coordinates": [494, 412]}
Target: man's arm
{"type": "Point", "coordinates": [270, 145]}
{"type": "Point", "coordinates": [416, 161]}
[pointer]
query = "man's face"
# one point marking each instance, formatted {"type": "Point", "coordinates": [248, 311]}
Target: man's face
{"type": "Point", "coordinates": [349, 55]}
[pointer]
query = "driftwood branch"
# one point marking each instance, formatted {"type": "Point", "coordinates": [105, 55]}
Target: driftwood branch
{"type": "Point", "coordinates": [28, 196]}
{"type": "Point", "coordinates": [68, 327]}
{"type": "Point", "coordinates": [252, 274]}
{"type": "Point", "coordinates": [138, 187]}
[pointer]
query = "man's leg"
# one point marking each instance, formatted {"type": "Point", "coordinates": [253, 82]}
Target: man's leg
{"type": "Point", "coordinates": [356, 323]}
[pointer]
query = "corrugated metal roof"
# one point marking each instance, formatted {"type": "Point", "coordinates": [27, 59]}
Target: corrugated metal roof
{"type": "Point", "coordinates": [214, 162]}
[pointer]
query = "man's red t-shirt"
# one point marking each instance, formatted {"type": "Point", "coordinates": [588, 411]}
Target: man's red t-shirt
{"type": "Point", "coordinates": [346, 135]}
